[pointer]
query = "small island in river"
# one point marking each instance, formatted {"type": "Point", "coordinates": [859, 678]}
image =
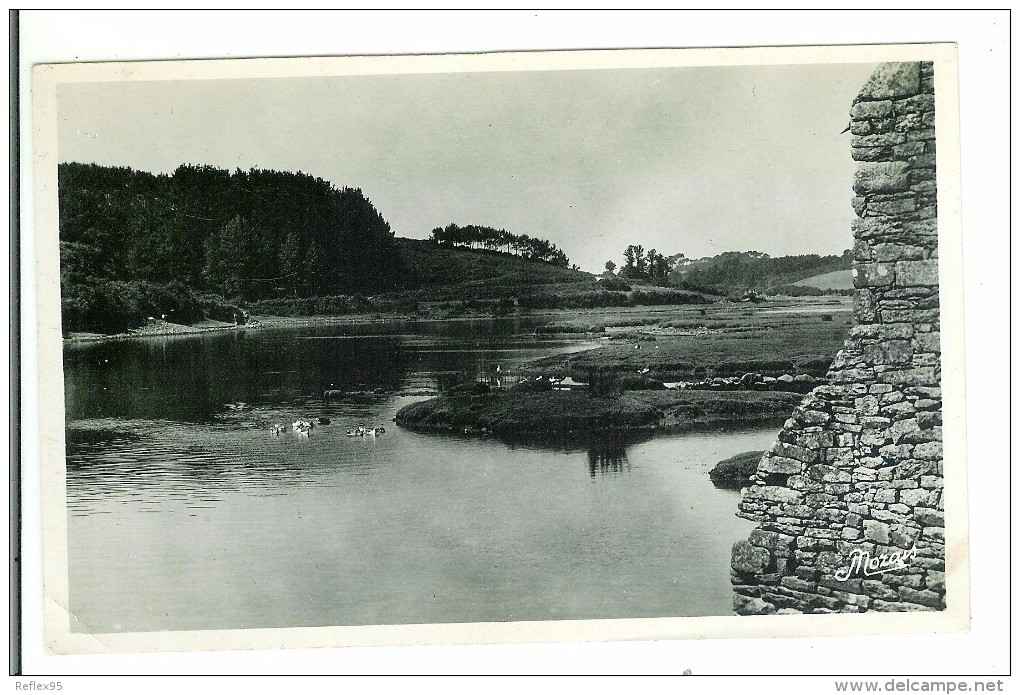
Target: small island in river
{"type": "Point", "coordinates": [514, 411]}
{"type": "Point", "coordinates": [670, 368]}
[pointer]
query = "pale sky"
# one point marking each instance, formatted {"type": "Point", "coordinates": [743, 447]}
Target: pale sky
{"type": "Point", "coordinates": [692, 160]}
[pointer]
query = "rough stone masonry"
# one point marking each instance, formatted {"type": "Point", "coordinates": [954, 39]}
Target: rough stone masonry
{"type": "Point", "coordinates": [856, 472]}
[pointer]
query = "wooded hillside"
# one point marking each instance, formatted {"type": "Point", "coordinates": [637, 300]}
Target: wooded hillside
{"type": "Point", "coordinates": [202, 241]}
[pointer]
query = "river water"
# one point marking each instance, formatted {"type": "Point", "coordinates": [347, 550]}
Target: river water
{"type": "Point", "coordinates": [186, 512]}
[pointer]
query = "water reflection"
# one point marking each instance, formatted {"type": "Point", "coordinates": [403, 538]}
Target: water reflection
{"type": "Point", "coordinates": [192, 379]}
{"type": "Point", "coordinates": [609, 458]}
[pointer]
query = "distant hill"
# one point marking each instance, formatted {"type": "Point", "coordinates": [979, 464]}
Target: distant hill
{"type": "Point", "coordinates": [836, 280]}
{"type": "Point", "coordinates": [448, 281]}
{"type": "Point", "coordinates": [738, 271]}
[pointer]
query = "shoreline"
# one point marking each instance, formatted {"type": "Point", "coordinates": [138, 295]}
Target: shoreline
{"type": "Point", "coordinates": [164, 329]}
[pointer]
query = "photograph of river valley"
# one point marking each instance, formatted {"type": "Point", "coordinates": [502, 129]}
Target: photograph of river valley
{"type": "Point", "coordinates": [473, 346]}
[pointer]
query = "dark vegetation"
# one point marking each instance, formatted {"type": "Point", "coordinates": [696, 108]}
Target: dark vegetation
{"type": "Point", "coordinates": [615, 284]}
{"type": "Point", "coordinates": [112, 306]}
{"type": "Point", "coordinates": [805, 291]}
{"type": "Point", "coordinates": [680, 408]}
{"type": "Point", "coordinates": [636, 382]}
{"type": "Point", "coordinates": [729, 274]}
{"type": "Point", "coordinates": [532, 409]}
{"type": "Point", "coordinates": [336, 305]}
{"type": "Point", "coordinates": [735, 472]}
{"type": "Point", "coordinates": [247, 234]}
{"type": "Point", "coordinates": [651, 266]}
{"type": "Point", "coordinates": [518, 411]}
{"type": "Point", "coordinates": [134, 243]}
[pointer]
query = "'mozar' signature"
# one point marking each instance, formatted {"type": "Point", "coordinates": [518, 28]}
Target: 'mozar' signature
{"type": "Point", "coordinates": [862, 563]}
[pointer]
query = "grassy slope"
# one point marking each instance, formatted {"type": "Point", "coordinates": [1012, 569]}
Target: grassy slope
{"type": "Point", "coordinates": [463, 273]}
{"type": "Point", "coordinates": [797, 278]}
{"type": "Point", "coordinates": [740, 339]}
{"type": "Point", "coordinates": [437, 274]}
{"type": "Point", "coordinates": [836, 280]}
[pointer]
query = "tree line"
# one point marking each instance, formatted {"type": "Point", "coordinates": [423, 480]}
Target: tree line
{"type": "Point", "coordinates": [490, 239]}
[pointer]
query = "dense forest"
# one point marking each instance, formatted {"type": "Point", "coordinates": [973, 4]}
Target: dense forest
{"type": "Point", "coordinates": [132, 243]}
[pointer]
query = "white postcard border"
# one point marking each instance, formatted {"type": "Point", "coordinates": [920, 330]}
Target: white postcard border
{"type": "Point", "coordinates": [60, 640]}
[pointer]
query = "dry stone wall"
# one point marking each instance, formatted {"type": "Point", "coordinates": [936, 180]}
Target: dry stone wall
{"type": "Point", "coordinates": [849, 499]}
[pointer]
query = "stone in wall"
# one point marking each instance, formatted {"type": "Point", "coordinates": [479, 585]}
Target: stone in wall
{"type": "Point", "coordinates": [849, 499]}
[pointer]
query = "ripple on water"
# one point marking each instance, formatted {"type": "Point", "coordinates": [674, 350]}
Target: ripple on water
{"type": "Point", "coordinates": [145, 462]}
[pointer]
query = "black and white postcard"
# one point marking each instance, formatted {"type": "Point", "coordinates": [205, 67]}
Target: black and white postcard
{"type": "Point", "coordinates": [557, 346]}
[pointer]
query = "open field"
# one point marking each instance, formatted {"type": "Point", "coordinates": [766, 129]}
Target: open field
{"type": "Point", "coordinates": [836, 280]}
{"type": "Point", "coordinates": [720, 340]}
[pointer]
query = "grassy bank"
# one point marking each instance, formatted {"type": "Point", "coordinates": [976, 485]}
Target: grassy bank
{"type": "Point", "coordinates": [721, 340]}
